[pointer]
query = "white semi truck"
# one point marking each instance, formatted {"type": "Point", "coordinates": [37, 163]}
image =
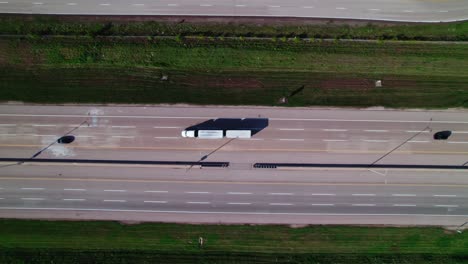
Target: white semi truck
{"type": "Point", "coordinates": [212, 134]}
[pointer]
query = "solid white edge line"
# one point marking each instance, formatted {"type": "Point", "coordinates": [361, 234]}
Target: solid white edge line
{"type": "Point", "coordinates": [214, 212]}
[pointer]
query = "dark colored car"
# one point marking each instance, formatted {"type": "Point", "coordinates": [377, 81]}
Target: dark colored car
{"type": "Point", "coordinates": [442, 135]}
{"type": "Point", "coordinates": [66, 139]}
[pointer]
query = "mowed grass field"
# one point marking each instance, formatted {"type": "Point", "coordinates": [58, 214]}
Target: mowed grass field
{"type": "Point", "coordinates": [111, 242]}
{"type": "Point", "coordinates": [234, 72]}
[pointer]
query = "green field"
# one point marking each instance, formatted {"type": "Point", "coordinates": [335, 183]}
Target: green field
{"type": "Point", "coordinates": [110, 242]}
{"type": "Point", "coordinates": [234, 72]}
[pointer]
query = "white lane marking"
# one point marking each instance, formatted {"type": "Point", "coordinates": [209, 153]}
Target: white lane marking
{"type": "Point", "coordinates": [416, 131]}
{"type": "Point", "coordinates": [7, 125]}
{"type": "Point", "coordinates": [115, 190]}
{"type": "Point", "coordinates": [375, 140]}
{"type": "Point", "coordinates": [341, 8]}
{"type": "Point", "coordinates": [104, 4]}
{"type": "Point", "coordinates": [7, 134]}
{"type": "Point", "coordinates": [274, 6]}
{"type": "Point", "coordinates": [273, 118]}
{"type": "Point", "coordinates": [251, 139]}
{"type": "Point", "coordinates": [334, 130]}
{"type": "Point", "coordinates": [239, 203]}
{"type": "Point", "coordinates": [460, 132]}
{"type": "Point", "coordinates": [363, 205]}
{"type": "Point", "coordinates": [374, 9]}
{"type": "Point", "coordinates": [213, 212]}
{"type": "Point", "coordinates": [418, 141]}
{"type": "Point", "coordinates": [138, 4]}
{"type": "Point", "coordinates": [307, 7]}
{"type": "Point", "coordinates": [155, 201]}
{"type": "Point", "coordinates": [443, 11]}
{"type": "Point", "coordinates": [334, 140]}
{"type": "Point", "coordinates": [291, 129]}
{"type": "Point", "coordinates": [198, 192]}
{"type": "Point", "coordinates": [403, 194]}
{"type": "Point", "coordinates": [375, 130]}
{"type": "Point", "coordinates": [166, 137]}
{"type": "Point", "coordinates": [363, 194]}
{"type": "Point", "coordinates": [116, 201]}
{"type": "Point", "coordinates": [75, 190]}
{"type": "Point", "coordinates": [123, 136]}
{"type": "Point", "coordinates": [280, 204]}
{"type": "Point", "coordinates": [71, 4]}
{"type": "Point", "coordinates": [30, 189]}
{"type": "Point", "coordinates": [239, 193]}
{"type": "Point", "coordinates": [37, 3]}
{"type": "Point", "coordinates": [408, 11]}
{"type": "Point", "coordinates": [205, 5]}
{"type": "Point", "coordinates": [445, 205]}
{"type": "Point", "coordinates": [172, 4]}
{"type": "Point", "coordinates": [43, 135]}
{"type": "Point", "coordinates": [281, 193]}
{"type": "Point", "coordinates": [198, 202]}
{"type": "Point", "coordinates": [404, 205]}
{"type": "Point", "coordinates": [323, 204]}
{"type": "Point", "coordinates": [2, 198]}
{"type": "Point", "coordinates": [156, 191]}
{"type": "Point", "coordinates": [323, 194]}
{"type": "Point", "coordinates": [458, 142]}
{"type": "Point", "coordinates": [291, 139]}
{"type": "Point", "coordinates": [240, 5]}
{"type": "Point", "coordinates": [123, 126]}
{"type": "Point", "coordinates": [44, 125]}
{"type": "Point", "coordinates": [165, 127]}
{"type": "Point", "coordinates": [33, 199]}
{"type": "Point", "coordinates": [84, 136]}
{"type": "Point", "coordinates": [3, 2]}
{"type": "Point", "coordinates": [444, 195]}
{"type": "Point", "coordinates": [74, 199]}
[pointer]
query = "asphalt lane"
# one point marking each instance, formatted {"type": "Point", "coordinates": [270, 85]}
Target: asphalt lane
{"type": "Point", "coordinates": [238, 194]}
{"type": "Point", "coordinates": [394, 10]}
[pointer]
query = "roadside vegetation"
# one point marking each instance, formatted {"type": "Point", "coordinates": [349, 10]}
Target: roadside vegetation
{"type": "Point", "coordinates": [202, 70]}
{"type": "Point", "coordinates": [28, 241]}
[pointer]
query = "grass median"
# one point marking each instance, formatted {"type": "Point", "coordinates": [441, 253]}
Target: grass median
{"type": "Point", "coordinates": [74, 242]}
{"type": "Point", "coordinates": [234, 72]}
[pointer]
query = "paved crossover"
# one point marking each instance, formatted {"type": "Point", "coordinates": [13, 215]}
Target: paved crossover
{"type": "Point", "coordinates": [395, 10]}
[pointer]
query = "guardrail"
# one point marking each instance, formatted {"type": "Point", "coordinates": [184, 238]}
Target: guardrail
{"type": "Point", "coordinates": [132, 162]}
{"type": "Point", "coordinates": [365, 166]}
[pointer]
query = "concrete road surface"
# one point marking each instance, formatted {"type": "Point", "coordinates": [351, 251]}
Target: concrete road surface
{"type": "Point", "coordinates": [394, 10]}
{"type": "Point", "coordinates": [240, 193]}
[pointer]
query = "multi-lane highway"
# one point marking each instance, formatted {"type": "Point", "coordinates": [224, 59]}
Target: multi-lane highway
{"type": "Point", "coordinates": [239, 193]}
{"type": "Point", "coordinates": [395, 10]}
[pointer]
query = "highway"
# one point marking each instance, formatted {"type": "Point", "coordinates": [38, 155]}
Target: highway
{"type": "Point", "coordinates": [239, 193]}
{"type": "Point", "coordinates": [392, 10]}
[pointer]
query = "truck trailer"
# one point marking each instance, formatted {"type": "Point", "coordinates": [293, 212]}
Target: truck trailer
{"type": "Point", "coordinates": [213, 134]}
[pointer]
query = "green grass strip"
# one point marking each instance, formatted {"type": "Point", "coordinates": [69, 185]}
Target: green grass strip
{"type": "Point", "coordinates": [95, 26]}
{"type": "Point", "coordinates": [265, 242]}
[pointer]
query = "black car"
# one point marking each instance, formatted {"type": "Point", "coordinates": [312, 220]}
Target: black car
{"type": "Point", "coordinates": [66, 139]}
{"type": "Point", "coordinates": [442, 135]}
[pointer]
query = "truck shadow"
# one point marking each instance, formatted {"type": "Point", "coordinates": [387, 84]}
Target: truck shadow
{"type": "Point", "coordinates": [254, 124]}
